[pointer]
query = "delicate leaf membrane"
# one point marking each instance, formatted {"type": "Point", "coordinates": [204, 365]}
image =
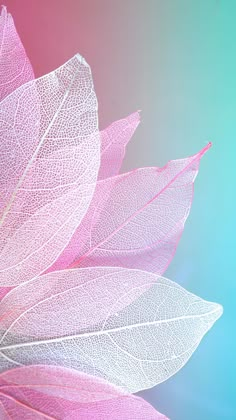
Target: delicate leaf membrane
{"type": "Point", "coordinates": [132, 328]}
{"type": "Point", "coordinates": [50, 155]}
{"type": "Point", "coordinates": [15, 68]}
{"type": "Point", "coordinates": [47, 392]}
{"type": "Point", "coordinates": [135, 220]}
{"type": "Point", "coordinates": [113, 142]}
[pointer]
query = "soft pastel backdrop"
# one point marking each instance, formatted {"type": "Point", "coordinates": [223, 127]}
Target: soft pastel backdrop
{"type": "Point", "coordinates": [175, 60]}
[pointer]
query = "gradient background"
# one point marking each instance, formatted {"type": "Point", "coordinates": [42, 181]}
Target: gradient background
{"type": "Point", "coordinates": [175, 60]}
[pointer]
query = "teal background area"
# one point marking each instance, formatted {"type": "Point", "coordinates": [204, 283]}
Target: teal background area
{"type": "Point", "coordinates": [175, 60]}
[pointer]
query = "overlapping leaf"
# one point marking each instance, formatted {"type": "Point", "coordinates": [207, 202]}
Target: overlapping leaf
{"type": "Point", "coordinates": [41, 392]}
{"type": "Point", "coordinates": [114, 140]}
{"type": "Point", "coordinates": [135, 220]}
{"type": "Point", "coordinates": [113, 143]}
{"type": "Point", "coordinates": [50, 154]}
{"type": "Point", "coordinates": [132, 328]}
{"type": "Point", "coordinates": [15, 68]}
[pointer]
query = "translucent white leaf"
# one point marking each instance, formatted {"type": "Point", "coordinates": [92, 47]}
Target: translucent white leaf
{"type": "Point", "coordinates": [114, 140]}
{"type": "Point", "coordinates": [132, 328]}
{"type": "Point", "coordinates": [135, 220]}
{"type": "Point", "coordinates": [49, 392]}
{"type": "Point", "coordinates": [15, 68]}
{"type": "Point", "coordinates": [50, 155]}
{"type": "Point", "coordinates": [113, 143]}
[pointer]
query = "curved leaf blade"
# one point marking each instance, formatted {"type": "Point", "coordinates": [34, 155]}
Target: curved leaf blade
{"type": "Point", "coordinates": [114, 140]}
{"type": "Point", "coordinates": [49, 164]}
{"type": "Point", "coordinates": [135, 220]}
{"type": "Point", "coordinates": [113, 143]}
{"type": "Point", "coordinates": [15, 67]}
{"type": "Point", "coordinates": [132, 328]}
{"type": "Point", "coordinates": [49, 392]}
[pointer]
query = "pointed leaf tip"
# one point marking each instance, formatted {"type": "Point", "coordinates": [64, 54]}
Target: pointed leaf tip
{"type": "Point", "coordinates": [130, 304]}
{"type": "Point", "coordinates": [15, 68]}
{"type": "Point", "coordinates": [3, 10]}
{"type": "Point", "coordinates": [205, 149]}
{"type": "Point", "coordinates": [106, 240]}
{"type": "Point", "coordinates": [197, 156]}
{"type": "Point", "coordinates": [81, 59]}
{"type": "Point", "coordinates": [135, 117]}
{"type": "Point", "coordinates": [219, 310]}
{"type": "Point", "coordinates": [139, 112]}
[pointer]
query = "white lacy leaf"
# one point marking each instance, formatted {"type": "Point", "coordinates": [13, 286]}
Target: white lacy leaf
{"type": "Point", "coordinates": [114, 140]}
{"type": "Point", "coordinates": [50, 155]}
{"type": "Point", "coordinates": [15, 68]}
{"type": "Point", "coordinates": [113, 144]}
{"type": "Point", "coordinates": [136, 219]}
{"type": "Point", "coordinates": [132, 328]}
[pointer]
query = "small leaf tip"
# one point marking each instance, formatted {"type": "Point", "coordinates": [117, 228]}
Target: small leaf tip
{"type": "Point", "coordinates": [218, 311]}
{"type": "Point", "coordinates": [3, 10]}
{"type": "Point", "coordinates": [81, 59]}
{"type": "Point", "coordinates": [139, 111]}
{"type": "Point", "coordinates": [205, 149]}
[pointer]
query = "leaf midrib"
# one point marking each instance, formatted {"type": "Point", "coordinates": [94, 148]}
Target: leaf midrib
{"type": "Point", "coordinates": [109, 331]}
{"type": "Point", "coordinates": [114, 232]}
{"type": "Point", "coordinates": [28, 166]}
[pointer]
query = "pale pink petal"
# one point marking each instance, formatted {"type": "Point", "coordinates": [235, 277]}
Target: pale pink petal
{"type": "Point", "coordinates": [4, 291]}
{"type": "Point", "coordinates": [135, 220]}
{"type": "Point", "coordinates": [114, 140]}
{"type": "Point", "coordinates": [15, 68]}
{"type": "Point", "coordinates": [50, 156]}
{"type": "Point", "coordinates": [49, 392]}
{"type": "Point", "coordinates": [113, 143]}
{"type": "Point", "coordinates": [130, 327]}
